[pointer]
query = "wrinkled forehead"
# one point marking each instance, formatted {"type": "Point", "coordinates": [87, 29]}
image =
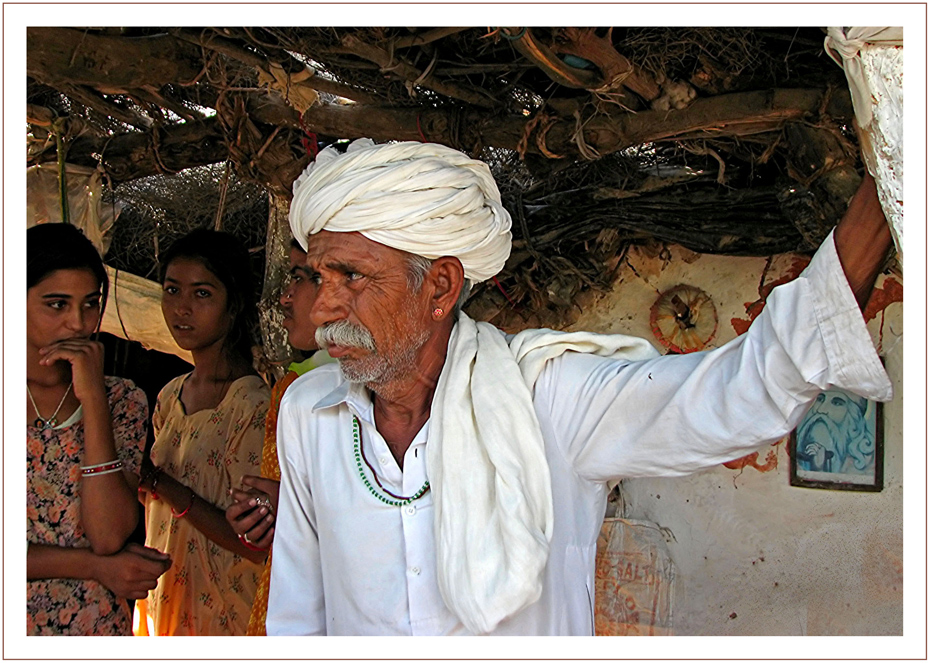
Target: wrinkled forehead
{"type": "Point", "coordinates": [329, 249]}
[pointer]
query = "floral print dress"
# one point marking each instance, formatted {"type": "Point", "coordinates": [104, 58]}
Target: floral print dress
{"type": "Point", "coordinates": [208, 590]}
{"type": "Point", "coordinates": [68, 606]}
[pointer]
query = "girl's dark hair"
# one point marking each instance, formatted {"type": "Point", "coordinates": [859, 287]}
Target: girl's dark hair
{"type": "Point", "coordinates": [227, 259]}
{"type": "Point", "coordinates": [54, 246]}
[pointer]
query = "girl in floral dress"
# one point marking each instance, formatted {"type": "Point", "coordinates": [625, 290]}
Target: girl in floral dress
{"type": "Point", "coordinates": [209, 428]}
{"type": "Point", "coordinates": [85, 434]}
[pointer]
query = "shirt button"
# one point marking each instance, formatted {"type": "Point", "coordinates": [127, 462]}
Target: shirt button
{"type": "Point", "coordinates": [411, 510]}
{"type": "Point", "coordinates": [415, 570]}
{"type": "Point", "coordinates": [382, 460]}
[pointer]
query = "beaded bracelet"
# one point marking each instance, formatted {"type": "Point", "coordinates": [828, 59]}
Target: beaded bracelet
{"type": "Point", "coordinates": [100, 465]}
{"type": "Point", "coordinates": [102, 472]}
{"type": "Point", "coordinates": [184, 513]}
{"type": "Point", "coordinates": [102, 468]}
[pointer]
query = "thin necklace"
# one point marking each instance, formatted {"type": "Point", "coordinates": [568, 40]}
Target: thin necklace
{"type": "Point", "coordinates": [51, 422]}
{"type": "Point", "coordinates": [399, 500]}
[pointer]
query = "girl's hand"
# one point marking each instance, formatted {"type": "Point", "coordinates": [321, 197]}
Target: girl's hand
{"type": "Point", "coordinates": [133, 571]}
{"type": "Point", "coordinates": [252, 514]}
{"type": "Point", "coordinates": [148, 475]}
{"type": "Point", "coordinates": [265, 487]}
{"type": "Point", "coordinates": [86, 359]}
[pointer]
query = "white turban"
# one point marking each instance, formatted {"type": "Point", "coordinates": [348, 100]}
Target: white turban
{"type": "Point", "coordinates": [422, 198]}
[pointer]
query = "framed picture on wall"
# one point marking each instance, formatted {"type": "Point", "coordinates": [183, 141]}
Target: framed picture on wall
{"type": "Point", "coordinates": [839, 444]}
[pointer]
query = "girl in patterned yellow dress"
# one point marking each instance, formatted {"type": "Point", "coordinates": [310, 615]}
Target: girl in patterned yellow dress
{"type": "Point", "coordinates": [209, 427]}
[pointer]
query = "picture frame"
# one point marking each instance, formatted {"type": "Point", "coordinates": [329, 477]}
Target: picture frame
{"type": "Point", "coordinates": [839, 444]}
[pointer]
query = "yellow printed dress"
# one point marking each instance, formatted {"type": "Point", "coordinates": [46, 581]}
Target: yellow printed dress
{"type": "Point", "coordinates": [208, 590]}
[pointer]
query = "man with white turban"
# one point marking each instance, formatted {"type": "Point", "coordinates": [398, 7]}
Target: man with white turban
{"type": "Point", "coordinates": [445, 478]}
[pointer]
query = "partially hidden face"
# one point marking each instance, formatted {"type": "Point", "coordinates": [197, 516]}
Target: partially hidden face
{"type": "Point", "coordinates": [297, 301]}
{"type": "Point", "coordinates": [63, 305]}
{"type": "Point", "coordinates": [368, 317]}
{"type": "Point", "coordinates": [194, 303]}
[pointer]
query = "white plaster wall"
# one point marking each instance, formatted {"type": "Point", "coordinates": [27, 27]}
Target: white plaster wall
{"type": "Point", "coordinates": [756, 556]}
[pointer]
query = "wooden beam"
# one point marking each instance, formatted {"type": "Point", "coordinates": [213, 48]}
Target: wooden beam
{"type": "Point", "coordinates": [739, 114]}
{"type": "Point", "coordinates": [66, 56]}
{"type": "Point", "coordinates": [133, 155]}
{"type": "Point", "coordinates": [197, 143]}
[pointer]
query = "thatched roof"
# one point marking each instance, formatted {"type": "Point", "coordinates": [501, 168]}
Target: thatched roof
{"type": "Point", "coordinates": [725, 140]}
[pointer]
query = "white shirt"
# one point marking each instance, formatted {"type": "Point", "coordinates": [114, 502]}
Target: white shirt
{"type": "Point", "coordinates": [347, 564]}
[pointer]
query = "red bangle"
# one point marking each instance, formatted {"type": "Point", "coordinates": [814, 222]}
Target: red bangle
{"type": "Point", "coordinates": [249, 545]}
{"type": "Point", "coordinates": [154, 491]}
{"type": "Point", "coordinates": [184, 513]}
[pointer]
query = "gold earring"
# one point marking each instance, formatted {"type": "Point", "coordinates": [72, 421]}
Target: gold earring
{"type": "Point", "coordinates": [437, 312]}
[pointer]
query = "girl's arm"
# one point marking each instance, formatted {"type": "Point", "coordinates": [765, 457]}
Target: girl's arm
{"type": "Point", "coordinates": [206, 517]}
{"type": "Point", "coordinates": [130, 573]}
{"type": "Point", "coordinates": [109, 513]}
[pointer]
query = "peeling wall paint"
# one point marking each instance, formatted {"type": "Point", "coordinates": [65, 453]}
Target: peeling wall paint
{"type": "Point", "coordinates": [754, 555]}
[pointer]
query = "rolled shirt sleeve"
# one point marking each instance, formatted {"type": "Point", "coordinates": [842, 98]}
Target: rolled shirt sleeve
{"type": "Point", "coordinates": [677, 414]}
{"type": "Point", "coordinates": [295, 597]}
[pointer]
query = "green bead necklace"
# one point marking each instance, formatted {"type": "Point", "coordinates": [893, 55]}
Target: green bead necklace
{"type": "Point", "coordinates": [398, 500]}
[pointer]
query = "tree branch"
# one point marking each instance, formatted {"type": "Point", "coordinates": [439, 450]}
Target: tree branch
{"type": "Point", "coordinates": [64, 56]}
{"type": "Point", "coordinates": [411, 74]}
{"type": "Point", "coordinates": [426, 37]}
{"type": "Point", "coordinates": [94, 100]}
{"type": "Point", "coordinates": [132, 155]}
{"type": "Point", "coordinates": [739, 114]}
{"type": "Point", "coordinates": [230, 48]}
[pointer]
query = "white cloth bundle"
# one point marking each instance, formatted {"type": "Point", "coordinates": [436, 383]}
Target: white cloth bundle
{"type": "Point", "coordinates": [487, 465]}
{"type": "Point", "coordinates": [873, 59]}
{"type": "Point", "coordinates": [423, 198]}
{"type": "Point", "coordinates": [848, 42]}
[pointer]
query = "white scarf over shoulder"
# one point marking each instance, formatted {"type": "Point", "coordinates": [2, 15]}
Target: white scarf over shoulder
{"type": "Point", "coordinates": [487, 465]}
{"type": "Point", "coordinates": [486, 458]}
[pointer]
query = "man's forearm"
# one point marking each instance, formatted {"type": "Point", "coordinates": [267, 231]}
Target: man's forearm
{"type": "Point", "coordinates": [862, 240]}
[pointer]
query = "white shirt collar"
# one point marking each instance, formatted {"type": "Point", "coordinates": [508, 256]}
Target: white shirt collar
{"type": "Point", "coordinates": [356, 396]}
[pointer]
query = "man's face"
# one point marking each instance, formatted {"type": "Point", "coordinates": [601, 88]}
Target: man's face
{"type": "Point", "coordinates": [833, 404]}
{"type": "Point", "coordinates": [363, 290]}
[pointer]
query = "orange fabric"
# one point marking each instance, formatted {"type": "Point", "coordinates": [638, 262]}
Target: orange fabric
{"type": "Point", "coordinates": [270, 470]}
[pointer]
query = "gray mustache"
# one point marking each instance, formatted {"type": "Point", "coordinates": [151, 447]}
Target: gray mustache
{"type": "Point", "coordinates": [346, 334]}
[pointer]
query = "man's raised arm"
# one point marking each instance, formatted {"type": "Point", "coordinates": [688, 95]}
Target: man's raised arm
{"type": "Point", "coordinates": [862, 240]}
